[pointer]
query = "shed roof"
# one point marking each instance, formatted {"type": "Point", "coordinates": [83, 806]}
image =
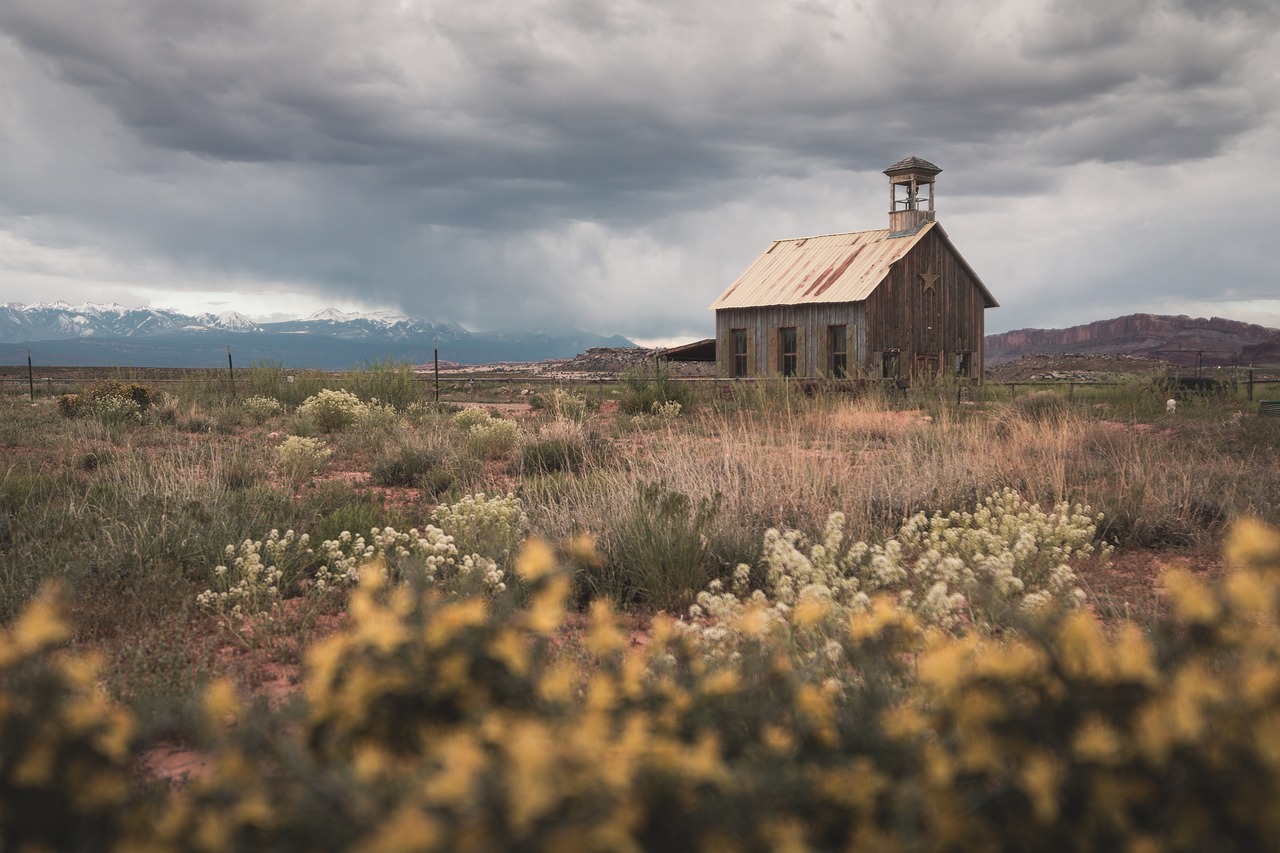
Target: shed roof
{"type": "Point", "coordinates": [830, 268]}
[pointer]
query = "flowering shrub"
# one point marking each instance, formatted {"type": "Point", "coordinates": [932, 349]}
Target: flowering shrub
{"type": "Point", "coordinates": [301, 458]}
{"type": "Point", "coordinates": [662, 413]}
{"type": "Point", "coordinates": [333, 410]}
{"type": "Point", "coordinates": [565, 405]}
{"type": "Point", "coordinates": [442, 723]}
{"type": "Point", "coordinates": [429, 556]}
{"type": "Point", "coordinates": [65, 750]}
{"type": "Point", "coordinates": [249, 589]}
{"type": "Point", "coordinates": [109, 402]}
{"type": "Point", "coordinates": [141, 394]}
{"type": "Point", "coordinates": [260, 408]}
{"type": "Point", "coordinates": [470, 417]}
{"type": "Point", "coordinates": [493, 527]}
{"type": "Point", "coordinates": [70, 405]}
{"type": "Point", "coordinates": [378, 417]}
{"type": "Point", "coordinates": [110, 409]}
{"type": "Point", "coordinates": [495, 438]}
{"type": "Point", "coordinates": [950, 570]}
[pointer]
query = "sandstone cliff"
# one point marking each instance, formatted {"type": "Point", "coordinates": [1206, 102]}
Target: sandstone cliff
{"type": "Point", "coordinates": [1180, 339]}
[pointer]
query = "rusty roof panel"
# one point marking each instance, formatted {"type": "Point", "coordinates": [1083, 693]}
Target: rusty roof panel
{"type": "Point", "coordinates": [832, 268]}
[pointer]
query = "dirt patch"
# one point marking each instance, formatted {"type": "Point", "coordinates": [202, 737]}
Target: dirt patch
{"type": "Point", "coordinates": [1131, 588]}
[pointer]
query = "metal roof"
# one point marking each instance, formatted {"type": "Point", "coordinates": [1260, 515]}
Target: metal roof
{"type": "Point", "coordinates": [832, 268]}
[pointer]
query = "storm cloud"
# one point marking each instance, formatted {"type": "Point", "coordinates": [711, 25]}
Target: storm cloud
{"type": "Point", "coordinates": [614, 165]}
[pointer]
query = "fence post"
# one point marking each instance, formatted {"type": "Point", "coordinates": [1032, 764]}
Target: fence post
{"type": "Point", "coordinates": [231, 371]}
{"type": "Point", "coordinates": [31, 381]}
{"type": "Point", "coordinates": [1250, 382]}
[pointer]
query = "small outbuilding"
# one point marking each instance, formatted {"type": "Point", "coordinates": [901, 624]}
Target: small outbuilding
{"type": "Point", "coordinates": [898, 303]}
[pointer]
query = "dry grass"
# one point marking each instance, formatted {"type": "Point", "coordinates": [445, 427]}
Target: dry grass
{"type": "Point", "coordinates": [134, 519]}
{"type": "Point", "coordinates": [795, 465]}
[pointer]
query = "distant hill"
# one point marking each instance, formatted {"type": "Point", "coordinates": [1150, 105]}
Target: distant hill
{"type": "Point", "coordinates": [91, 335]}
{"type": "Point", "coordinates": [1180, 340]}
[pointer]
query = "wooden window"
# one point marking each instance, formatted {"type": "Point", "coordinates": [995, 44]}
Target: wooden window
{"type": "Point", "coordinates": [838, 351]}
{"type": "Point", "coordinates": [787, 350]}
{"type": "Point", "coordinates": [964, 364]}
{"type": "Point", "coordinates": [739, 352]}
{"type": "Point", "coordinates": [889, 364]}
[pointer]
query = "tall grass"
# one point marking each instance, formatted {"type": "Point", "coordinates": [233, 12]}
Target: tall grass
{"type": "Point", "coordinates": [795, 462]}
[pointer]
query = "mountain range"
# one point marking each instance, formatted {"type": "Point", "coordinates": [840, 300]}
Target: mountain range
{"type": "Point", "coordinates": [88, 335]}
{"type": "Point", "coordinates": [1177, 339]}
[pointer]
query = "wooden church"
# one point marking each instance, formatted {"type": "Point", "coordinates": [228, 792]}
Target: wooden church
{"type": "Point", "coordinates": [898, 303]}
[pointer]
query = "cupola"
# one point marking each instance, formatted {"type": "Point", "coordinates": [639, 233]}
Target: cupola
{"type": "Point", "coordinates": [910, 194]}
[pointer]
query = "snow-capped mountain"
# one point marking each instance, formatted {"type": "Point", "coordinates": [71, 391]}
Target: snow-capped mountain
{"type": "Point", "coordinates": [92, 334]}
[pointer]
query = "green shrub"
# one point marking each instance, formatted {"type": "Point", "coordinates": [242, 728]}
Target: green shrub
{"type": "Point", "coordinates": [659, 554]}
{"type": "Point", "coordinates": [394, 383]}
{"type": "Point", "coordinates": [332, 411]}
{"type": "Point", "coordinates": [470, 417]}
{"type": "Point", "coordinates": [404, 465]}
{"type": "Point", "coordinates": [491, 527]}
{"type": "Point", "coordinates": [643, 391]}
{"type": "Point", "coordinates": [378, 418]}
{"type": "Point", "coordinates": [300, 459]}
{"type": "Point", "coordinates": [142, 395]}
{"type": "Point", "coordinates": [71, 405]}
{"type": "Point", "coordinates": [493, 439]}
{"type": "Point", "coordinates": [260, 408]}
{"type": "Point", "coordinates": [112, 410]}
{"type": "Point", "coordinates": [550, 455]}
{"type": "Point", "coordinates": [564, 404]}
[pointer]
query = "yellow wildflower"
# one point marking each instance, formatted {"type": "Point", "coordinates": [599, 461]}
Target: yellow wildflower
{"type": "Point", "coordinates": [536, 560]}
{"type": "Point", "coordinates": [461, 761]}
{"type": "Point", "coordinates": [509, 647]}
{"type": "Point", "coordinates": [1041, 778]}
{"type": "Point", "coordinates": [446, 623]}
{"type": "Point", "coordinates": [604, 637]}
{"type": "Point", "coordinates": [408, 830]}
{"type": "Point", "coordinates": [1194, 602]}
{"type": "Point", "coordinates": [1133, 657]}
{"type": "Point", "coordinates": [221, 704]}
{"type": "Point", "coordinates": [1097, 741]}
{"type": "Point", "coordinates": [41, 624]}
{"type": "Point", "coordinates": [1082, 648]}
{"type": "Point", "coordinates": [1252, 543]}
{"type": "Point", "coordinates": [546, 610]}
{"type": "Point", "coordinates": [582, 549]}
{"type": "Point", "coordinates": [810, 611]}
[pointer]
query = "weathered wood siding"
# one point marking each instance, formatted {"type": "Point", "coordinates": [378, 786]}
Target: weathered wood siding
{"type": "Point", "coordinates": [902, 314]}
{"type": "Point", "coordinates": [764, 356]}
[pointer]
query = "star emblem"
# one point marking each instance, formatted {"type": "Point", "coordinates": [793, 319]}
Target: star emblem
{"type": "Point", "coordinates": [929, 278]}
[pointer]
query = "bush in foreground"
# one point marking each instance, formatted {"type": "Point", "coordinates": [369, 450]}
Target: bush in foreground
{"type": "Point", "coordinates": [442, 723]}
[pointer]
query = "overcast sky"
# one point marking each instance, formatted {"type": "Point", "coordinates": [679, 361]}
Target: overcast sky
{"type": "Point", "coordinates": [614, 165]}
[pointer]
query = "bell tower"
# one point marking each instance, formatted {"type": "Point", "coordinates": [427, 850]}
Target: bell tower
{"type": "Point", "coordinates": [910, 194]}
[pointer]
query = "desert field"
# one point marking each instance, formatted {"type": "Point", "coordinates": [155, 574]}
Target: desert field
{"type": "Point", "coordinates": [563, 611]}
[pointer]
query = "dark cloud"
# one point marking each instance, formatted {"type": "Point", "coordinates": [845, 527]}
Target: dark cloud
{"type": "Point", "coordinates": [604, 163]}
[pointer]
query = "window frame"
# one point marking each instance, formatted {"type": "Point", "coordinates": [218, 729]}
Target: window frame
{"type": "Point", "coordinates": [788, 359]}
{"type": "Point", "coordinates": [739, 366]}
{"type": "Point", "coordinates": [838, 356]}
